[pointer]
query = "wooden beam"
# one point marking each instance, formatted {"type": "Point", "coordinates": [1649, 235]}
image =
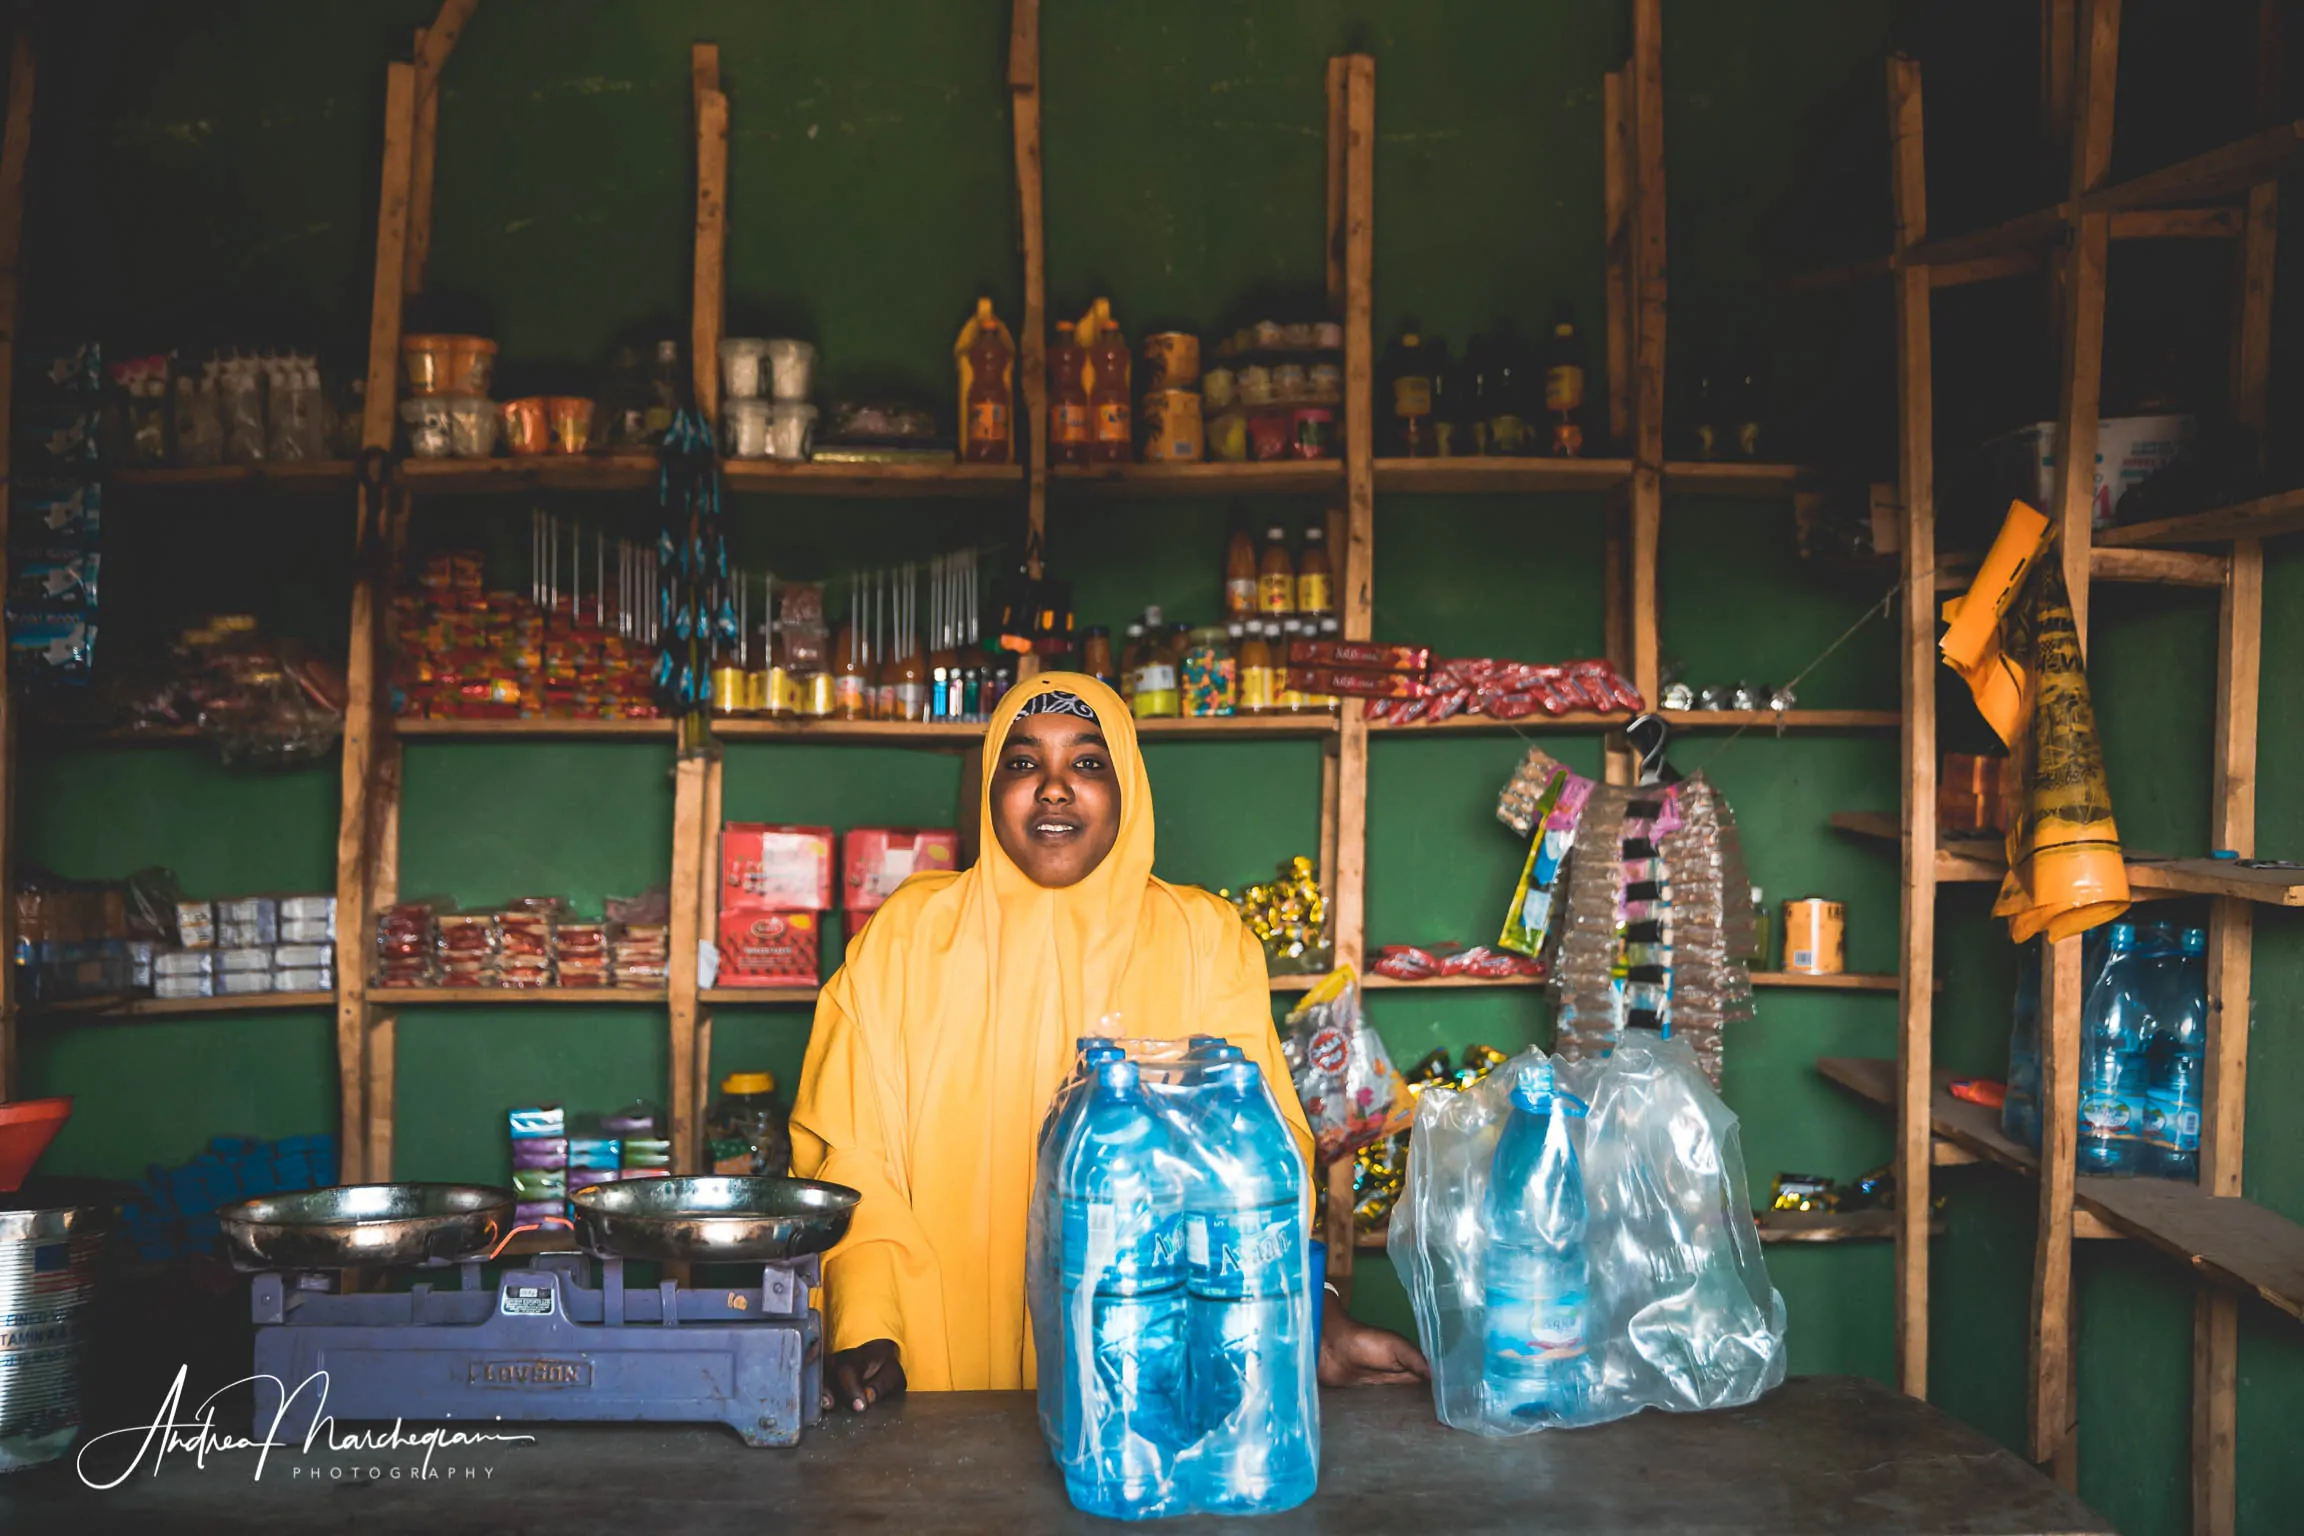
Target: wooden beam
{"type": "Point", "coordinates": [438, 40]}
{"type": "Point", "coordinates": [1348, 897]}
{"type": "Point", "coordinates": [1646, 72]}
{"type": "Point", "coordinates": [2162, 567]}
{"type": "Point", "coordinates": [2252, 309]}
{"type": "Point", "coordinates": [423, 157]}
{"type": "Point", "coordinates": [2053, 1426]}
{"type": "Point", "coordinates": [1337, 129]}
{"type": "Point", "coordinates": [1916, 966]}
{"type": "Point", "coordinates": [2226, 171]}
{"type": "Point", "coordinates": [2058, 47]}
{"type": "Point", "coordinates": [15, 154]}
{"type": "Point", "coordinates": [688, 775]}
{"type": "Point", "coordinates": [1616, 238]}
{"type": "Point", "coordinates": [365, 724]}
{"type": "Point", "coordinates": [1032, 337]}
{"type": "Point", "coordinates": [1990, 266]}
{"type": "Point", "coordinates": [711, 279]}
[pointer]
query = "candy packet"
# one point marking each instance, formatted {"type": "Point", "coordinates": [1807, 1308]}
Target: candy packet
{"type": "Point", "coordinates": [1352, 1094]}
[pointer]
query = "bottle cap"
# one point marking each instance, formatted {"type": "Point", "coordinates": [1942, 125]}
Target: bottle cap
{"type": "Point", "coordinates": [2195, 941]}
{"type": "Point", "coordinates": [2225, 853]}
{"type": "Point", "coordinates": [1276, 533]}
{"type": "Point", "coordinates": [1532, 1088]}
{"type": "Point", "coordinates": [2121, 935]}
{"type": "Point", "coordinates": [748, 1082]}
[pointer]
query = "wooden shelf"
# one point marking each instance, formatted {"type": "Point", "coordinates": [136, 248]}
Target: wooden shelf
{"type": "Point", "coordinates": [389, 998]}
{"type": "Point", "coordinates": [533, 472]}
{"type": "Point", "coordinates": [1499, 477]}
{"type": "Point", "coordinates": [1275, 477]}
{"type": "Point", "coordinates": [541, 729]}
{"type": "Point", "coordinates": [1728, 477]}
{"type": "Point", "coordinates": [176, 1007]}
{"type": "Point", "coordinates": [1297, 983]}
{"type": "Point", "coordinates": [958, 733]}
{"type": "Point", "coordinates": [882, 481]}
{"type": "Point", "coordinates": [302, 475]}
{"type": "Point", "coordinates": [2232, 1241]}
{"type": "Point", "coordinates": [2149, 874]}
{"type": "Point", "coordinates": [1873, 1226]}
{"type": "Point", "coordinates": [759, 995]}
{"type": "Point", "coordinates": [1845, 981]}
{"type": "Point", "coordinates": [1679, 719]}
{"type": "Point", "coordinates": [2261, 518]}
{"type": "Point", "coordinates": [1376, 983]}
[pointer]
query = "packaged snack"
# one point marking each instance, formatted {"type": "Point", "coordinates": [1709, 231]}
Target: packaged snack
{"type": "Point", "coordinates": [760, 948]}
{"type": "Point", "coordinates": [1360, 655]}
{"type": "Point", "coordinates": [771, 868]}
{"type": "Point", "coordinates": [876, 860]}
{"type": "Point", "coordinates": [1359, 685]}
{"type": "Point", "coordinates": [1352, 1094]}
{"type": "Point", "coordinates": [58, 509]}
{"type": "Point", "coordinates": [196, 924]}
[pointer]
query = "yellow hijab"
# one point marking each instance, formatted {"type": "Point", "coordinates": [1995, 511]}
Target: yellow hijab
{"type": "Point", "coordinates": [937, 1045]}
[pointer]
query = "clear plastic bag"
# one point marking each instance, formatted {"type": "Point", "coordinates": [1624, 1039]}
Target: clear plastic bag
{"type": "Point", "coordinates": [1351, 1092]}
{"type": "Point", "coordinates": [1651, 1291]}
{"type": "Point", "coordinates": [1169, 1273]}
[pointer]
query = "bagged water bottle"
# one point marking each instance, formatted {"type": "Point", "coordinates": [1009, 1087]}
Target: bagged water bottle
{"type": "Point", "coordinates": [1676, 1310]}
{"type": "Point", "coordinates": [1171, 1288]}
{"type": "Point", "coordinates": [2175, 1057]}
{"type": "Point", "coordinates": [2114, 1020]}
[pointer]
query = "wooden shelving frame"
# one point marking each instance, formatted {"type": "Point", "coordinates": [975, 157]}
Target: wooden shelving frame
{"type": "Point", "coordinates": [2229, 193]}
{"type": "Point", "coordinates": [1631, 490]}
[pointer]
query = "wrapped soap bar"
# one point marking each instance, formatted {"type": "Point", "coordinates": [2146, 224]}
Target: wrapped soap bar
{"type": "Point", "coordinates": [546, 1120]}
{"type": "Point", "coordinates": [303, 957]}
{"type": "Point", "coordinates": [238, 983]}
{"type": "Point", "coordinates": [198, 985]}
{"type": "Point", "coordinates": [236, 959]}
{"type": "Point", "coordinates": [184, 962]}
{"type": "Point", "coordinates": [1363, 655]}
{"type": "Point", "coordinates": [304, 981]}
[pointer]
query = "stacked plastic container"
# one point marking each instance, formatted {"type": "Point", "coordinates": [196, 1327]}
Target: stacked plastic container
{"type": "Point", "coordinates": [1174, 1310]}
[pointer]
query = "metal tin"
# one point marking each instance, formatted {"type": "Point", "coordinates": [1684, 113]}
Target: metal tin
{"type": "Point", "coordinates": [711, 1218]}
{"type": "Point", "coordinates": [349, 1225]}
{"type": "Point", "coordinates": [1313, 432]}
{"type": "Point", "coordinates": [1171, 360]}
{"type": "Point", "coordinates": [47, 1275]}
{"type": "Point", "coordinates": [816, 697]}
{"type": "Point", "coordinates": [728, 690]}
{"type": "Point", "coordinates": [1815, 936]}
{"type": "Point", "coordinates": [756, 692]}
{"type": "Point", "coordinates": [1172, 427]}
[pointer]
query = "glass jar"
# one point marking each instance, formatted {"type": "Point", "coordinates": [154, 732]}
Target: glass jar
{"type": "Point", "coordinates": [1207, 675]}
{"type": "Point", "coordinates": [748, 1131]}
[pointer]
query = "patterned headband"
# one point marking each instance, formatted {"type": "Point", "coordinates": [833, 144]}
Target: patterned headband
{"type": "Point", "coordinates": [1057, 702]}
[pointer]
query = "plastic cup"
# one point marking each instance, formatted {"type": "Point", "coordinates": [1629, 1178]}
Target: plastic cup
{"type": "Point", "coordinates": [424, 360]}
{"type": "Point", "coordinates": [790, 424]}
{"type": "Point", "coordinates": [791, 368]}
{"type": "Point", "coordinates": [740, 370]}
{"type": "Point", "coordinates": [427, 419]}
{"type": "Point", "coordinates": [527, 427]}
{"type": "Point", "coordinates": [471, 365]}
{"type": "Point", "coordinates": [570, 420]}
{"type": "Point", "coordinates": [744, 428]}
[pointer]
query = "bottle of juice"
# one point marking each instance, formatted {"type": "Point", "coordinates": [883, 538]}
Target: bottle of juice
{"type": "Point", "coordinates": [986, 357]}
{"type": "Point", "coordinates": [1315, 584]}
{"type": "Point", "coordinates": [1564, 385]}
{"type": "Point", "coordinates": [1096, 654]}
{"type": "Point", "coordinates": [1408, 375]}
{"type": "Point", "coordinates": [1156, 692]}
{"type": "Point", "coordinates": [1070, 430]}
{"type": "Point", "coordinates": [1259, 683]}
{"type": "Point", "coordinates": [1331, 631]}
{"type": "Point", "coordinates": [1275, 574]}
{"type": "Point", "coordinates": [1284, 634]}
{"type": "Point", "coordinates": [1504, 396]}
{"type": "Point", "coordinates": [1110, 405]}
{"type": "Point", "coordinates": [1131, 661]}
{"type": "Point", "coordinates": [851, 690]}
{"type": "Point", "coordinates": [1239, 573]}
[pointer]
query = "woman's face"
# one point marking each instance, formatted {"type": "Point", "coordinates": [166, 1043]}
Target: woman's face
{"type": "Point", "coordinates": [1055, 798]}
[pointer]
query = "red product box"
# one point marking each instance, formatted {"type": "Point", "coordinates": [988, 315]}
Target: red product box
{"type": "Point", "coordinates": [767, 868]}
{"type": "Point", "coordinates": [1362, 655]}
{"type": "Point", "coordinates": [876, 860]}
{"type": "Point", "coordinates": [1364, 685]}
{"type": "Point", "coordinates": [769, 949]}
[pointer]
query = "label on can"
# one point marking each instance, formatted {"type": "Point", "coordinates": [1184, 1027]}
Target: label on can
{"type": "Point", "coordinates": [1275, 593]}
{"type": "Point", "coordinates": [987, 421]}
{"type": "Point", "coordinates": [1814, 930]}
{"type": "Point", "coordinates": [1412, 396]}
{"type": "Point", "coordinates": [1068, 422]}
{"type": "Point", "coordinates": [1112, 422]}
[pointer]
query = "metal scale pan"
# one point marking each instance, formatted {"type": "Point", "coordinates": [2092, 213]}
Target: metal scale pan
{"type": "Point", "coordinates": [349, 1226]}
{"type": "Point", "coordinates": [710, 1219]}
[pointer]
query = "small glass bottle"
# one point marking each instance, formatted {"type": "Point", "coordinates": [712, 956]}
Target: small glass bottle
{"type": "Point", "coordinates": [748, 1132]}
{"type": "Point", "coordinates": [1096, 655]}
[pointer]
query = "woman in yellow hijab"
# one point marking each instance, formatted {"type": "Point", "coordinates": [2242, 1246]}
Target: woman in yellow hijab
{"type": "Point", "coordinates": [937, 1045]}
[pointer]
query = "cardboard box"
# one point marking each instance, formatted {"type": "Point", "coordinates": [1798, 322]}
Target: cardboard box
{"type": "Point", "coordinates": [876, 860]}
{"type": "Point", "coordinates": [769, 868]}
{"type": "Point", "coordinates": [769, 949]}
{"type": "Point", "coordinates": [2129, 450]}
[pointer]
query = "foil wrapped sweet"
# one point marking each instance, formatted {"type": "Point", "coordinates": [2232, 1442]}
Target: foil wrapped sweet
{"type": "Point", "coordinates": [1289, 916]}
{"type": "Point", "coordinates": [1380, 1169]}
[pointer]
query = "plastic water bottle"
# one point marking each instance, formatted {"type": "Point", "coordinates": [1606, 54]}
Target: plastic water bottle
{"type": "Point", "coordinates": [2113, 1024]}
{"type": "Point", "coordinates": [2175, 1059]}
{"type": "Point", "coordinates": [2020, 1115]}
{"type": "Point", "coordinates": [1249, 1327]}
{"type": "Point", "coordinates": [1122, 1294]}
{"type": "Point", "coordinates": [1534, 1365]}
{"type": "Point", "coordinates": [1044, 1259]}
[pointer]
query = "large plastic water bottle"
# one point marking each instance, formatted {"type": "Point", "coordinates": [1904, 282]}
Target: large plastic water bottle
{"type": "Point", "coordinates": [1122, 1293]}
{"type": "Point", "coordinates": [2020, 1115]}
{"type": "Point", "coordinates": [2175, 1059]}
{"type": "Point", "coordinates": [1535, 1366]}
{"type": "Point", "coordinates": [2114, 1021]}
{"type": "Point", "coordinates": [1249, 1322]}
{"type": "Point", "coordinates": [1047, 1233]}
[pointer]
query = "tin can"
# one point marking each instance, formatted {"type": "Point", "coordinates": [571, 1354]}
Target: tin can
{"type": "Point", "coordinates": [1172, 427]}
{"type": "Point", "coordinates": [818, 699]}
{"type": "Point", "coordinates": [756, 692]}
{"type": "Point", "coordinates": [1171, 360]}
{"type": "Point", "coordinates": [1815, 934]}
{"type": "Point", "coordinates": [728, 690]}
{"type": "Point", "coordinates": [526, 430]}
{"type": "Point", "coordinates": [570, 418]}
{"type": "Point", "coordinates": [783, 692]}
{"type": "Point", "coordinates": [1313, 432]}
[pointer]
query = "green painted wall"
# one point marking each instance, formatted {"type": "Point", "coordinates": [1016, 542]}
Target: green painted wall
{"type": "Point", "coordinates": [205, 173]}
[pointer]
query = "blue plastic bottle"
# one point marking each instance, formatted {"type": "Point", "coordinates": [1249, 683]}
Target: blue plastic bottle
{"type": "Point", "coordinates": [1044, 1260]}
{"type": "Point", "coordinates": [2175, 1059]}
{"type": "Point", "coordinates": [1249, 1325]}
{"type": "Point", "coordinates": [1535, 1366]}
{"type": "Point", "coordinates": [2113, 1024]}
{"type": "Point", "coordinates": [1122, 1294]}
{"type": "Point", "coordinates": [2020, 1115]}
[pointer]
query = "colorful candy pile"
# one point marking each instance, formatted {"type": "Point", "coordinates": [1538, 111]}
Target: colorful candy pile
{"type": "Point", "coordinates": [460, 651]}
{"type": "Point", "coordinates": [1290, 916]}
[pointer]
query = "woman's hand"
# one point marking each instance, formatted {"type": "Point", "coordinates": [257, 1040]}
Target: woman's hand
{"type": "Point", "coordinates": [857, 1378]}
{"type": "Point", "coordinates": [1354, 1354]}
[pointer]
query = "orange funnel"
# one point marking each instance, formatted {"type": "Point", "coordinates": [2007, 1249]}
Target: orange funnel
{"type": "Point", "coordinates": [26, 1128]}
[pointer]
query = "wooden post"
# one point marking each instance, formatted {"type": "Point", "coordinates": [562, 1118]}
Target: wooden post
{"type": "Point", "coordinates": [711, 229]}
{"type": "Point", "coordinates": [2054, 1408]}
{"type": "Point", "coordinates": [1617, 199]}
{"type": "Point", "coordinates": [1647, 495]}
{"type": "Point", "coordinates": [688, 776]}
{"type": "Point", "coordinates": [1032, 337]}
{"type": "Point", "coordinates": [1916, 965]}
{"type": "Point", "coordinates": [15, 151]}
{"type": "Point", "coordinates": [707, 832]}
{"type": "Point", "coordinates": [1339, 130]}
{"type": "Point", "coordinates": [365, 725]}
{"type": "Point", "coordinates": [433, 45]}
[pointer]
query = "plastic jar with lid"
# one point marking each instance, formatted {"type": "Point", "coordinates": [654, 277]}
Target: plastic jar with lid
{"type": "Point", "coordinates": [1207, 674]}
{"type": "Point", "coordinates": [748, 1130]}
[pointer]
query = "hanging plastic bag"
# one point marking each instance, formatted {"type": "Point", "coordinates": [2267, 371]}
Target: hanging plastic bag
{"type": "Point", "coordinates": [1351, 1092]}
{"type": "Point", "coordinates": [1168, 1270]}
{"type": "Point", "coordinates": [1616, 1268]}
